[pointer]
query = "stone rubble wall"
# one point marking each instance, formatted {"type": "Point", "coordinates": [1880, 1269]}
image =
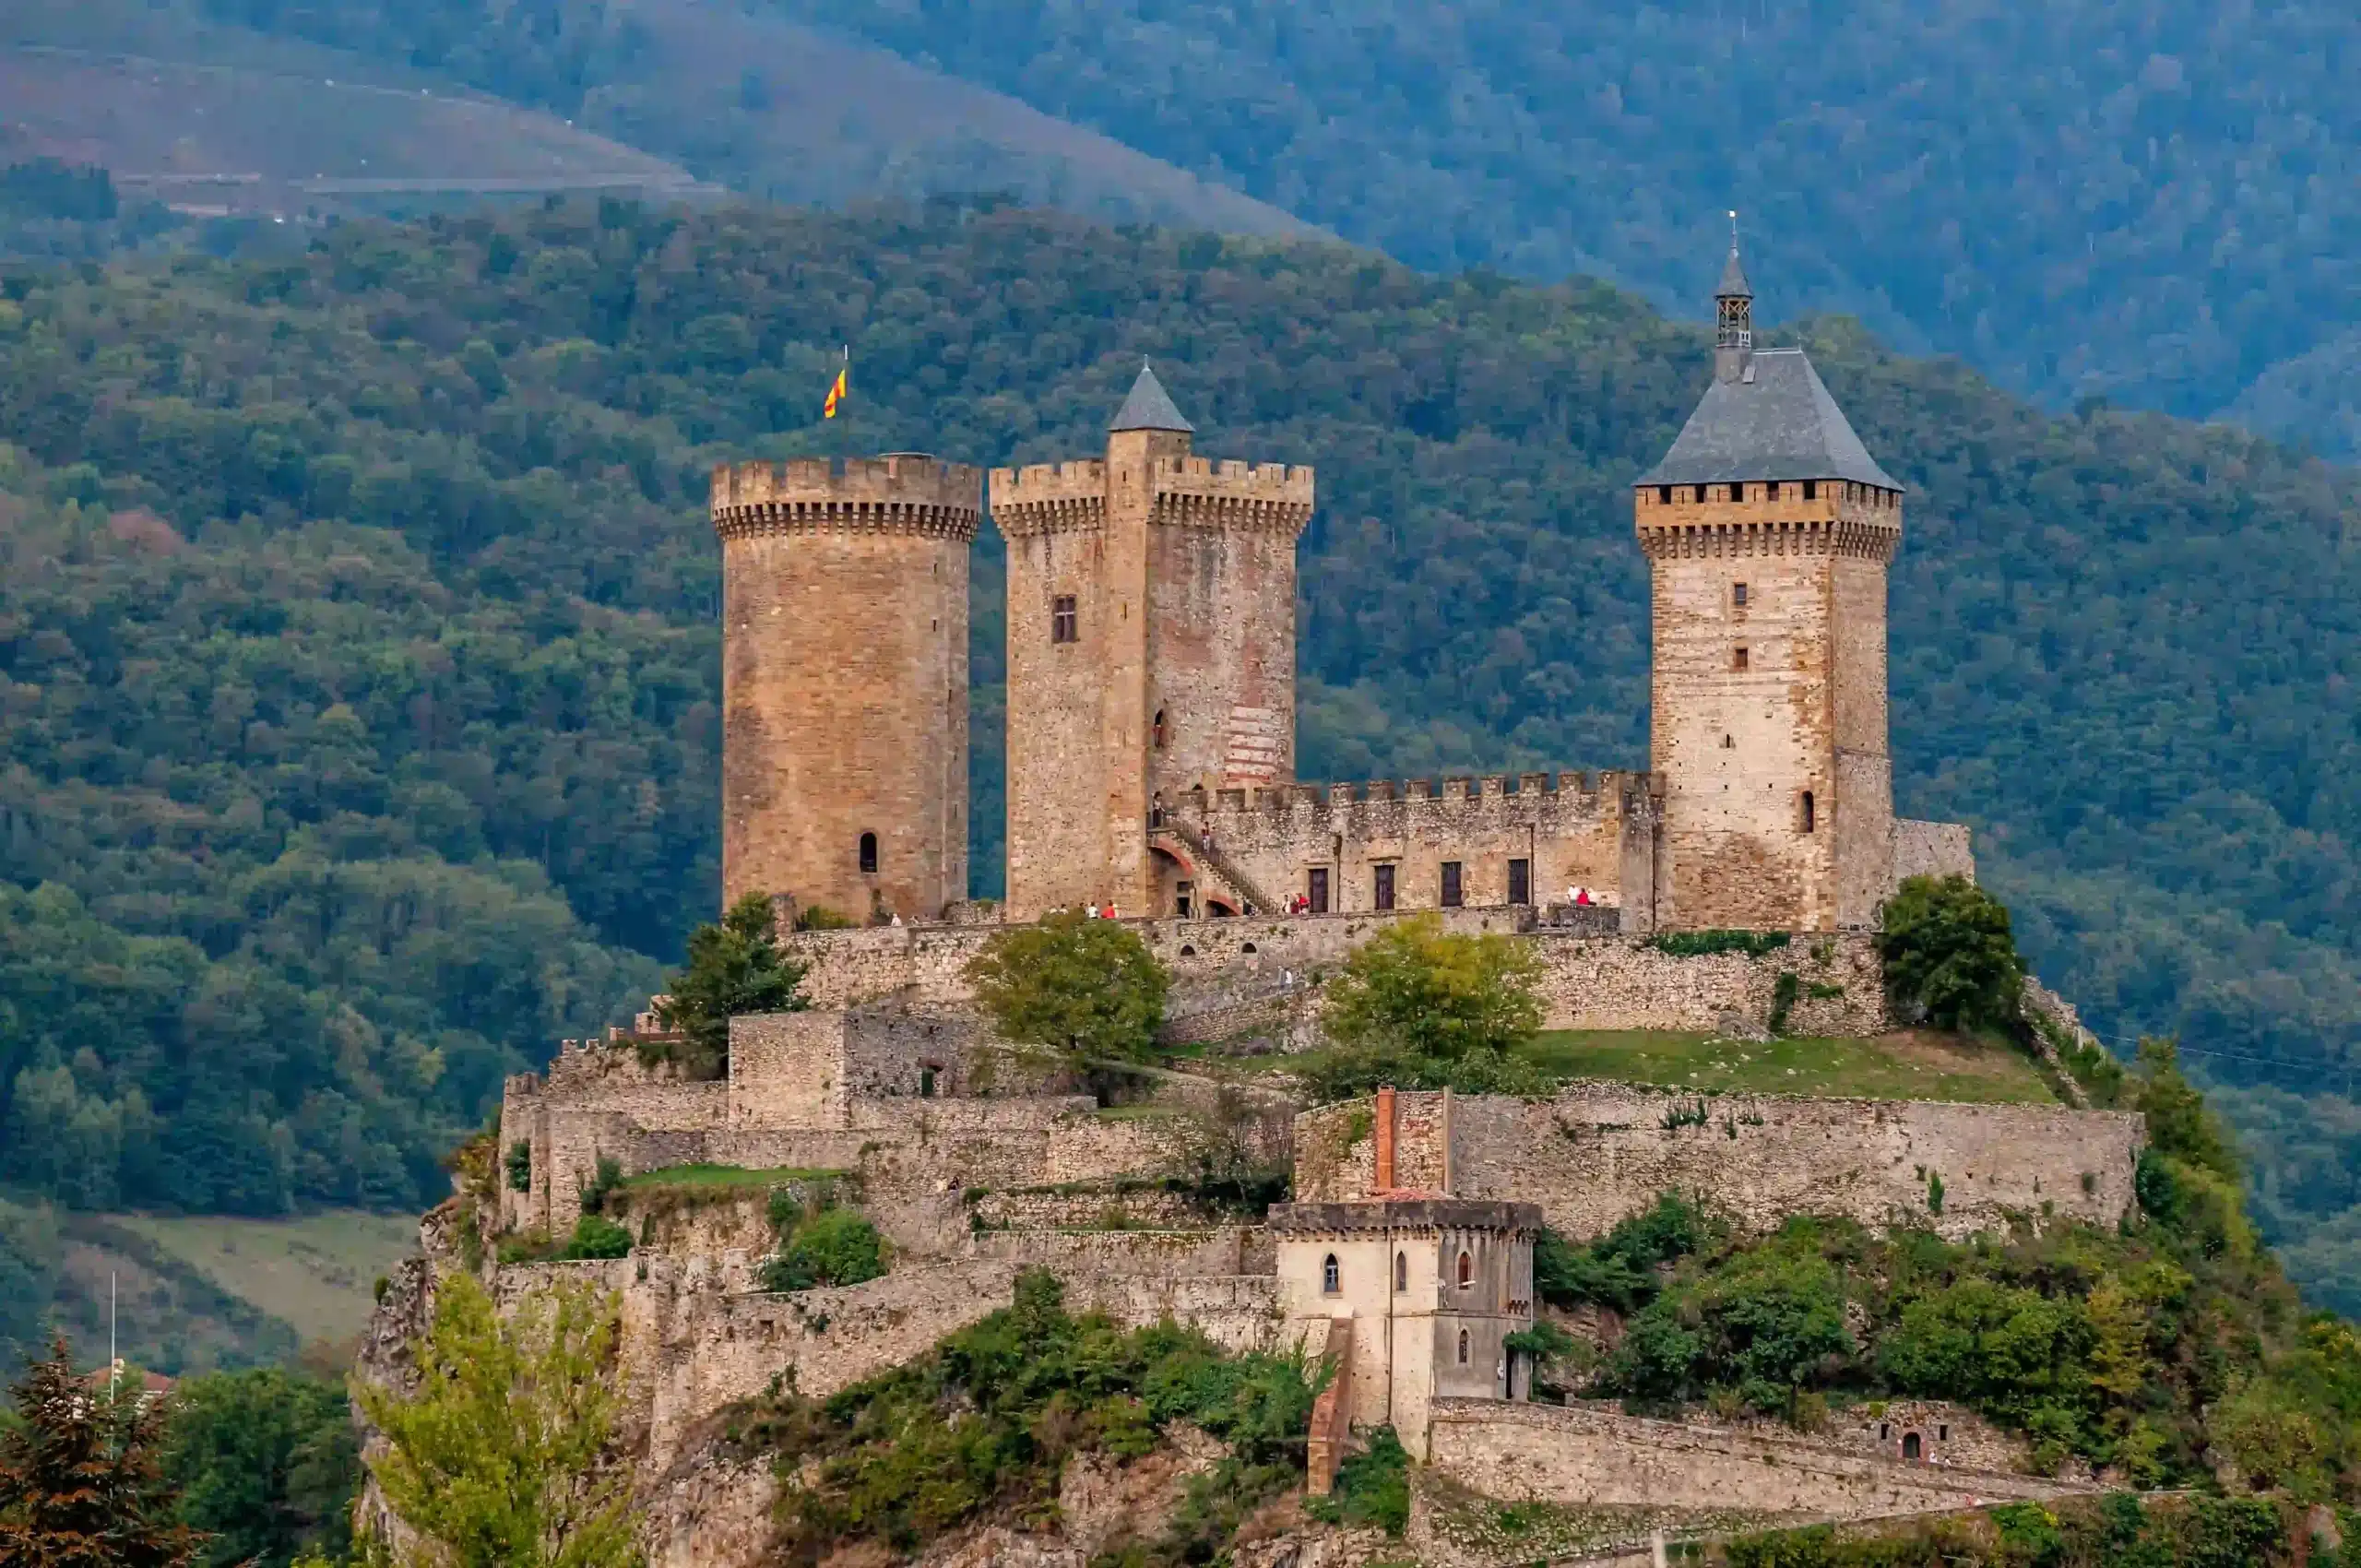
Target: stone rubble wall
{"type": "Point", "coordinates": [1628, 983]}
{"type": "Point", "coordinates": [1596, 1153]}
{"type": "Point", "coordinates": [1600, 1457]}
{"type": "Point", "coordinates": [1933, 849]}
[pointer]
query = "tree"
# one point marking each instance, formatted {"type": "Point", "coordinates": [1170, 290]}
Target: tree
{"type": "Point", "coordinates": [1086, 989]}
{"type": "Point", "coordinates": [79, 1481]}
{"type": "Point", "coordinates": [267, 1461]}
{"type": "Point", "coordinates": [499, 1455]}
{"type": "Point", "coordinates": [1415, 987]}
{"type": "Point", "coordinates": [734, 967]}
{"type": "Point", "coordinates": [1947, 946]}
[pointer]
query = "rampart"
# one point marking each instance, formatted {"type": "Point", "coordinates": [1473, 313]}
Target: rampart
{"type": "Point", "coordinates": [1050, 497]}
{"type": "Point", "coordinates": [1217, 966]}
{"type": "Point", "coordinates": [1594, 1154]}
{"type": "Point", "coordinates": [1601, 1458]}
{"type": "Point", "coordinates": [1415, 844]}
{"type": "Point", "coordinates": [1227, 492]}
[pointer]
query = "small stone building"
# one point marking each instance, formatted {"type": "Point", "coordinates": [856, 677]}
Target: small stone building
{"type": "Point", "coordinates": [1432, 1288]}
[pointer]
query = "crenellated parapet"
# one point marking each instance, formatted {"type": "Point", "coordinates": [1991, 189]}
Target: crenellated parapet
{"type": "Point", "coordinates": [1585, 793]}
{"type": "Point", "coordinates": [901, 493]}
{"type": "Point", "coordinates": [1728, 521]}
{"type": "Point", "coordinates": [1203, 493]}
{"type": "Point", "coordinates": [1044, 498]}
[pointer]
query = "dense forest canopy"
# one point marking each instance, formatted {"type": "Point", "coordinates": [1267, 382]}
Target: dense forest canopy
{"type": "Point", "coordinates": [360, 673]}
{"type": "Point", "coordinates": [2158, 203]}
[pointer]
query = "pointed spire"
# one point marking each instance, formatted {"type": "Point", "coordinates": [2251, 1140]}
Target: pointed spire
{"type": "Point", "coordinates": [1149, 407]}
{"type": "Point", "coordinates": [1732, 316]}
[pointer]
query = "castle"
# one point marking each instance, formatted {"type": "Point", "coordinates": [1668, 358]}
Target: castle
{"type": "Point", "coordinates": [1151, 760]}
{"type": "Point", "coordinates": [1151, 688]}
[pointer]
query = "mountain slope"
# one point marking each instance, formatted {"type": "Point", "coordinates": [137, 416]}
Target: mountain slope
{"type": "Point", "coordinates": [2155, 203]}
{"type": "Point", "coordinates": [346, 817]}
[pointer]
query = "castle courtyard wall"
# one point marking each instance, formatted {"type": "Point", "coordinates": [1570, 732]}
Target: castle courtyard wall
{"type": "Point", "coordinates": [1594, 1154]}
{"type": "Point", "coordinates": [1599, 1457]}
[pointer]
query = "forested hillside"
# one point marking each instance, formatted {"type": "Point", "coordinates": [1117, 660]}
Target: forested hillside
{"type": "Point", "coordinates": [2156, 202]}
{"type": "Point", "coordinates": [361, 677]}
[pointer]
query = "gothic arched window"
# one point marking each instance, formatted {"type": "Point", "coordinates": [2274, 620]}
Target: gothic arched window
{"type": "Point", "coordinates": [1329, 1276]}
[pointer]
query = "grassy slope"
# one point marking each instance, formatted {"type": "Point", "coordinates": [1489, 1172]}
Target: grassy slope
{"type": "Point", "coordinates": [316, 1274]}
{"type": "Point", "coordinates": [159, 99]}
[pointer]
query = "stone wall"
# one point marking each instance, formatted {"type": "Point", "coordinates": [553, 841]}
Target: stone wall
{"type": "Point", "coordinates": [1600, 1457]}
{"type": "Point", "coordinates": [1597, 833]}
{"type": "Point", "coordinates": [1933, 849]}
{"type": "Point", "coordinates": [1590, 981]}
{"type": "Point", "coordinates": [1598, 1152]}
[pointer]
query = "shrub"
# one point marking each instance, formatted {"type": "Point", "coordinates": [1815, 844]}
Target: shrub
{"type": "Point", "coordinates": [734, 967]}
{"type": "Point", "coordinates": [1705, 943]}
{"type": "Point", "coordinates": [1759, 1326]}
{"type": "Point", "coordinates": [1373, 1488]}
{"type": "Point", "coordinates": [520, 1166]}
{"type": "Point", "coordinates": [1619, 1270]}
{"type": "Point", "coordinates": [1783, 993]}
{"type": "Point", "coordinates": [819, 917]}
{"type": "Point", "coordinates": [1947, 948]}
{"type": "Point", "coordinates": [595, 1236]}
{"type": "Point", "coordinates": [1088, 989]}
{"type": "Point", "coordinates": [1414, 989]}
{"type": "Point", "coordinates": [605, 1177]}
{"type": "Point", "coordinates": [836, 1246]}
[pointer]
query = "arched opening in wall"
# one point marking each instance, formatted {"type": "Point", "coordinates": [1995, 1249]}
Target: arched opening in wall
{"type": "Point", "coordinates": [926, 1083]}
{"type": "Point", "coordinates": [1218, 908]}
{"type": "Point", "coordinates": [1808, 817]}
{"type": "Point", "coordinates": [1462, 1346]}
{"type": "Point", "coordinates": [1466, 1271]}
{"type": "Point", "coordinates": [1401, 1272]}
{"type": "Point", "coordinates": [1330, 1282]}
{"type": "Point", "coordinates": [1187, 951]}
{"type": "Point", "coordinates": [1912, 1448]}
{"type": "Point", "coordinates": [1157, 731]}
{"type": "Point", "coordinates": [868, 854]}
{"type": "Point", "coordinates": [1248, 948]}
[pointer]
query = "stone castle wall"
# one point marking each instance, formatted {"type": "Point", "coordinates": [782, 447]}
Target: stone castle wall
{"type": "Point", "coordinates": [1589, 981]}
{"type": "Point", "coordinates": [845, 682]}
{"type": "Point", "coordinates": [1599, 1457]}
{"type": "Point", "coordinates": [1594, 1154]}
{"type": "Point", "coordinates": [1580, 830]}
{"type": "Point", "coordinates": [1933, 849]}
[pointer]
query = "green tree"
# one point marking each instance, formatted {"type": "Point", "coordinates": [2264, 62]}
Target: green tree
{"type": "Point", "coordinates": [834, 1246]}
{"type": "Point", "coordinates": [1415, 988]}
{"type": "Point", "coordinates": [1947, 948]}
{"type": "Point", "coordinates": [80, 1486]}
{"type": "Point", "coordinates": [735, 966]}
{"type": "Point", "coordinates": [267, 1462]}
{"type": "Point", "coordinates": [499, 1457]}
{"type": "Point", "coordinates": [1088, 989]}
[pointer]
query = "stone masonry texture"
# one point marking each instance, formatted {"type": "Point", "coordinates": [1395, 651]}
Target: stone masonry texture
{"type": "Point", "coordinates": [845, 682]}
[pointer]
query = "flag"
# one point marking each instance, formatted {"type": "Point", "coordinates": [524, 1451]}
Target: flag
{"type": "Point", "coordinates": [836, 392]}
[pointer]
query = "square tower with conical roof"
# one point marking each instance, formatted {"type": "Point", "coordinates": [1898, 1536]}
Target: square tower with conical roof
{"type": "Point", "coordinates": [1151, 652]}
{"type": "Point", "coordinates": [1768, 529]}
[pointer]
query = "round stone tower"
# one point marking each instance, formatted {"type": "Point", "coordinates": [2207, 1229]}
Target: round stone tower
{"type": "Point", "coordinates": [844, 681]}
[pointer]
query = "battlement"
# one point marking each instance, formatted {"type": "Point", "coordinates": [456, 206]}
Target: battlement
{"type": "Point", "coordinates": [1837, 517]}
{"type": "Point", "coordinates": [900, 493]}
{"type": "Point", "coordinates": [1205, 493]}
{"type": "Point", "coordinates": [1050, 497]}
{"type": "Point", "coordinates": [1611, 790]}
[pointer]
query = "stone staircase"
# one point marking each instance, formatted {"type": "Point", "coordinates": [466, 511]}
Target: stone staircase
{"type": "Point", "coordinates": [1213, 873]}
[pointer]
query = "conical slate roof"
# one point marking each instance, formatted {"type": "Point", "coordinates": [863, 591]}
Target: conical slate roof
{"type": "Point", "coordinates": [1734, 283]}
{"type": "Point", "coordinates": [1148, 408]}
{"type": "Point", "coordinates": [1775, 420]}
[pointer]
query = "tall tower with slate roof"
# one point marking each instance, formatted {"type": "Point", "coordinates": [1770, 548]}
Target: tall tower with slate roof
{"type": "Point", "coordinates": [1768, 529]}
{"type": "Point", "coordinates": [1151, 652]}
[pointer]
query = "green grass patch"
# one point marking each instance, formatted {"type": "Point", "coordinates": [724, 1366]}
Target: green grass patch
{"type": "Point", "coordinates": [1918, 1064]}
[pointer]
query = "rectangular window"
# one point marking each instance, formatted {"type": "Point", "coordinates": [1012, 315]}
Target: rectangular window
{"type": "Point", "coordinates": [1812, 490]}
{"type": "Point", "coordinates": [1664, 494]}
{"type": "Point", "coordinates": [1738, 659]}
{"type": "Point", "coordinates": [1318, 888]}
{"type": "Point", "coordinates": [1382, 897]}
{"type": "Point", "coordinates": [1181, 898]}
{"type": "Point", "coordinates": [1520, 882]}
{"type": "Point", "coordinates": [1451, 898]}
{"type": "Point", "coordinates": [1738, 493]}
{"type": "Point", "coordinates": [1737, 595]}
{"type": "Point", "coordinates": [1061, 620]}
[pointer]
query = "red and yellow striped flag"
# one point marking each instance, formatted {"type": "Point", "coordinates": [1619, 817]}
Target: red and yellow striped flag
{"type": "Point", "coordinates": [835, 392]}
